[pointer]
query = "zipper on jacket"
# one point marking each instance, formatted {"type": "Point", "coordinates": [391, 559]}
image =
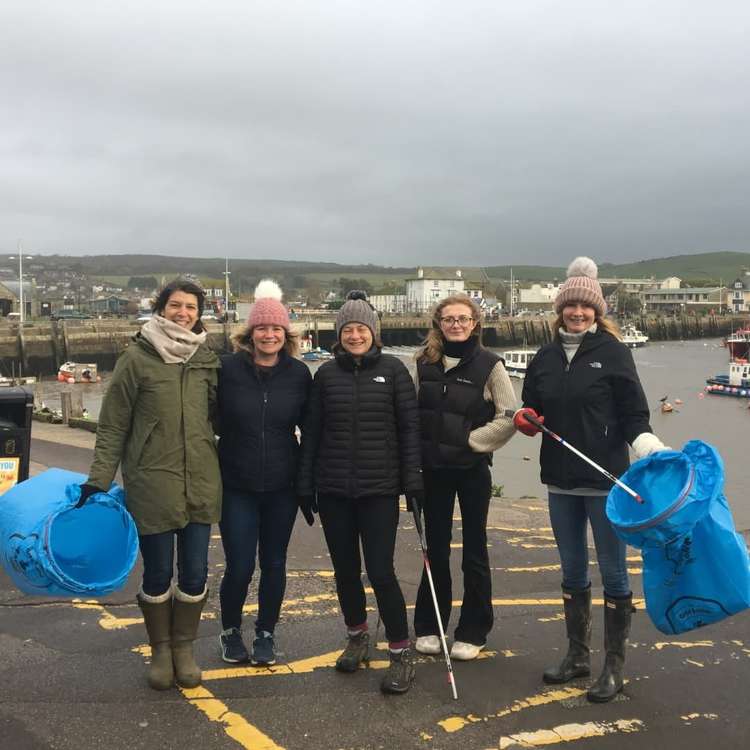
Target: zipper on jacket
{"type": "Point", "coordinates": [263, 441]}
{"type": "Point", "coordinates": [355, 434]}
{"type": "Point", "coordinates": [186, 475]}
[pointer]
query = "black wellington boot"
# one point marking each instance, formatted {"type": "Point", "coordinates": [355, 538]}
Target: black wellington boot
{"type": "Point", "coordinates": [577, 662]}
{"type": "Point", "coordinates": [617, 614]}
{"type": "Point", "coordinates": [357, 651]}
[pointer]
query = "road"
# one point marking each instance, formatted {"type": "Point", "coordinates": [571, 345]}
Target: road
{"type": "Point", "coordinates": [73, 673]}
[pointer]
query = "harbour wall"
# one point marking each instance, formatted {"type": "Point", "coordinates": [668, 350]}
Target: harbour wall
{"type": "Point", "coordinates": [39, 348]}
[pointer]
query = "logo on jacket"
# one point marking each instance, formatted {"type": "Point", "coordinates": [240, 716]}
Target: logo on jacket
{"type": "Point", "coordinates": [598, 365]}
{"type": "Point", "coordinates": [378, 379]}
{"type": "Point", "coordinates": [465, 380]}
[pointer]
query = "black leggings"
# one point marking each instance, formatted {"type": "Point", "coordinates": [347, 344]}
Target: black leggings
{"type": "Point", "coordinates": [374, 522]}
{"type": "Point", "coordinates": [474, 487]}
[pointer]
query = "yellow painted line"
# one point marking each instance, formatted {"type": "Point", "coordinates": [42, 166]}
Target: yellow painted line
{"type": "Point", "coordinates": [683, 644]}
{"type": "Point", "coordinates": [694, 663]}
{"type": "Point", "coordinates": [520, 539]}
{"type": "Point", "coordinates": [236, 726]}
{"type": "Point", "coordinates": [455, 723]}
{"type": "Point", "coordinates": [310, 574]}
{"type": "Point", "coordinates": [519, 530]}
{"type": "Point", "coordinates": [570, 733]}
{"type": "Point", "coordinates": [557, 566]}
{"type": "Point", "coordinates": [305, 666]}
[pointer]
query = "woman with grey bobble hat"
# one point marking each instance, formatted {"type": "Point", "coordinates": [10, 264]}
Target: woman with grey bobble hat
{"type": "Point", "coordinates": [360, 451]}
{"type": "Point", "coordinates": [584, 385]}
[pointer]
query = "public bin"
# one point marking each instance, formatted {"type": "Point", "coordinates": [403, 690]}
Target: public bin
{"type": "Point", "coordinates": [16, 405]}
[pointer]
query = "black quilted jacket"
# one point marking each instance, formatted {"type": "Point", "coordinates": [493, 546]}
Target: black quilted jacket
{"type": "Point", "coordinates": [361, 431]}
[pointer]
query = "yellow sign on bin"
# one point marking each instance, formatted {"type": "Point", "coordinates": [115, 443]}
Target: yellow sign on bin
{"type": "Point", "coordinates": [8, 473]}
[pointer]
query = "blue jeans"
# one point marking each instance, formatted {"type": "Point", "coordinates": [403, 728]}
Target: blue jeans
{"type": "Point", "coordinates": [192, 559]}
{"type": "Point", "coordinates": [250, 522]}
{"type": "Point", "coordinates": [569, 514]}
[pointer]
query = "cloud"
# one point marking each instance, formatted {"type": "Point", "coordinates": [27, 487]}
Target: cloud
{"type": "Point", "coordinates": [391, 133]}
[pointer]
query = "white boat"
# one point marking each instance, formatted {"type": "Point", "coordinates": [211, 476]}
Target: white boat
{"type": "Point", "coordinates": [517, 360]}
{"type": "Point", "coordinates": [632, 337]}
{"type": "Point", "coordinates": [77, 372]}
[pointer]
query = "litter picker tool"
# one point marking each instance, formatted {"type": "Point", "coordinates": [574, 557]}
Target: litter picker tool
{"type": "Point", "coordinates": [612, 478]}
{"type": "Point", "coordinates": [418, 524]}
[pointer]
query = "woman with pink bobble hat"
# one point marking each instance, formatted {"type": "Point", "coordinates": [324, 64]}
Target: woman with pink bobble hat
{"type": "Point", "coordinates": [263, 391]}
{"type": "Point", "coordinates": [584, 386]}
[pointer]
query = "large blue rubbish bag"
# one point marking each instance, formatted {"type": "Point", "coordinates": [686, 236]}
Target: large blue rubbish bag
{"type": "Point", "coordinates": [695, 565]}
{"type": "Point", "coordinates": [49, 547]}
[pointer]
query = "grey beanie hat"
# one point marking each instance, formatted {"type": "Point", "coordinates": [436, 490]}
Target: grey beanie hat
{"type": "Point", "coordinates": [356, 309]}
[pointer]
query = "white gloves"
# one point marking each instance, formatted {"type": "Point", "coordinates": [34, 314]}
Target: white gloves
{"type": "Point", "coordinates": [647, 443]}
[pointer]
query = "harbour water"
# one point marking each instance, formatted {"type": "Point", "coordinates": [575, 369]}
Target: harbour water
{"type": "Point", "coordinates": [675, 369]}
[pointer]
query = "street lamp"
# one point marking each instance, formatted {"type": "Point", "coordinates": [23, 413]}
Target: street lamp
{"type": "Point", "coordinates": [21, 310]}
{"type": "Point", "coordinates": [227, 273]}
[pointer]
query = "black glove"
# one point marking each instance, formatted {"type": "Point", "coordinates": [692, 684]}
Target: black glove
{"type": "Point", "coordinates": [415, 502]}
{"type": "Point", "coordinates": [308, 504]}
{"type": "Point", "coordinates": [481, 414]}
{"type": "Point", "coordinates": [87, 490]}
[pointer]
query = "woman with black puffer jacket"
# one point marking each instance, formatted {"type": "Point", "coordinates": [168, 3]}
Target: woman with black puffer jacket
{"type": "Point", "coordinates": [263, 390]}
{"type": "Point", "coordinates": [360, 451]}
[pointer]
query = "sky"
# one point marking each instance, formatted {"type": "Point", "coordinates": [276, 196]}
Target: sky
{"type": "Point", "coordinates": [396, 133]}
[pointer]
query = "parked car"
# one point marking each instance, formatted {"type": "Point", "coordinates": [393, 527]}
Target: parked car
{"type": "Point", "coordinates": [70, 315]}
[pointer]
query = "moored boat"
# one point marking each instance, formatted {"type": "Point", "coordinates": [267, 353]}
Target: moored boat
{"type": "Point", "coordinates": [517, 360]}
{"type": "Point", "coordinates": [632, 337]}
{"type": "Point", "coordinates": [735, 383]}
{"type": "Point", "coordinates": [738, 343]}
{"type": "Point", "coordinates": [76, 372]}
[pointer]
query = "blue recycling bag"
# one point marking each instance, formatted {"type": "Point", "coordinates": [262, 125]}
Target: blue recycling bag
{"type": "Point", "coordinates": [696, 569]}
{"type": "Point", "coordinates": [48, 547]}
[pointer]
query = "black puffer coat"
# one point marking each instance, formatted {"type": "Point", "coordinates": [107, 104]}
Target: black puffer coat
{"type": "Point", "coordinates": [361, 433]}
{"type": "Point", "coordinates": [257, 417]}
{"type": "Point", "coordinates": [596, 403]}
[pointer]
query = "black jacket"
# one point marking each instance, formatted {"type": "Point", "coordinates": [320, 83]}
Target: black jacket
{"type": "Point", "coordinates": [451, 405]}
{"type": "Point", "coordinates": [595, 403]}
{"type": "Point", "coordinates": [361, 433]}
{"type": "Point", "coordinates": [257, 417]}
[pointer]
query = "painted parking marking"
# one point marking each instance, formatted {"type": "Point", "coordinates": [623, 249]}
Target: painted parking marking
{"type": "Point", "coordinates": [235, 725]}
{"type": "Point", "coordinates": [570, 733]}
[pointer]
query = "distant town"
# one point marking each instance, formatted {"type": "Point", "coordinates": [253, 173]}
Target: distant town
{"type": "Point", "coordinates": [57, 289]}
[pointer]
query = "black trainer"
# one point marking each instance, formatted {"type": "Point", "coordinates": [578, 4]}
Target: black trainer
{"type": "Point", "coordinates": [357, 651]}
{"type": "Point", "coordinates": [233, 650]}
{"type": "Point", "coordinates": [263, 651]}
{"type": "Point", "coordinates": [400, 673]}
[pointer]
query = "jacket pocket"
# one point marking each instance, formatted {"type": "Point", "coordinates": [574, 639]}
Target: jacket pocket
{"type": "Point", "coordinates": [138, 441]}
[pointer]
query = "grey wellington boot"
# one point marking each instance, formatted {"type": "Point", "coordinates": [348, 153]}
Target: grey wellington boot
{"type": "Point", "coordinates": [186, 616]}
{"type": "Point", "coordinates": [617, 615]}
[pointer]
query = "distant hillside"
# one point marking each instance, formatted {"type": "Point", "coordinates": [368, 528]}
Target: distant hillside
{"type": "Point", "coordinates": [709, 267]}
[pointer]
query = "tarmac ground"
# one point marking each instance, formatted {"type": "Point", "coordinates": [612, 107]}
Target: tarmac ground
{"type": "Point", "coordinates": [73, 672]}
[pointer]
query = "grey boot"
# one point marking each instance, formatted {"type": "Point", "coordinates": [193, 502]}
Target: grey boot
{"type": "Point", "coordinates": [186, 616]}
{"type": "Point", "coordinates": [400, 673]}
{"type": "Point", "coordinates": [617, 614]}
{"type": "Point", "coordinates": [577, 662]}
{"type": "Point", "coordinates": [357, 651]}
{"type": "Point", "coordinates": [157, 614]}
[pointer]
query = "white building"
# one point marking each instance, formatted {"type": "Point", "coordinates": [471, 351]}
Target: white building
{"type": "Point", "coordinates": [424, 292]}
{"type": "Point", "coordinates": [537, 294]}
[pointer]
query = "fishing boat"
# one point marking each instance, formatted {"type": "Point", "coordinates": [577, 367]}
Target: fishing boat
{"type": "Point", "coordinates": [76, 372]}
{"type": "Point", "coordinates": [632, 337]}
{"type": "Point", "coordinates": [6, 382]}
{"type": "Point", "coordinates": [517, 360]}
{"type": "Point", "coordinates": [735, 383]}
{"type": "Point", "coordinates": [738, 343]}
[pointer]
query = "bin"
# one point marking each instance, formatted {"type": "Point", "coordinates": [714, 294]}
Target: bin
{"type": "Point", "coordinates": [16, 406]}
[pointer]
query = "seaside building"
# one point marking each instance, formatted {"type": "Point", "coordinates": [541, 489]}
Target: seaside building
{"type": "Point", "coordinates": [738, 294]}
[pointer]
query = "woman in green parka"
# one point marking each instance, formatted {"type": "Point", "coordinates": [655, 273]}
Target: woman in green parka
{"type": "Point", "coordinates": [156, 421]}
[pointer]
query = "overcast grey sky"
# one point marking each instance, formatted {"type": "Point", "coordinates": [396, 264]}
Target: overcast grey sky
{"type": "Point", "coordinates": [388, 132]}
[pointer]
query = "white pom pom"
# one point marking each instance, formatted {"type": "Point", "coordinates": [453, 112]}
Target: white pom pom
{"type": "Point", "coordinates": [268, 289]}
{"type": "Point", "coordinates": [583, 266]}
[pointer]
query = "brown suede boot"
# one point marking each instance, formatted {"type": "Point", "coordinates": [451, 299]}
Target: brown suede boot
{"type": "Point", "coordinates": [157, 614]}
{"type": "Point", "coordinates": [186, 616]}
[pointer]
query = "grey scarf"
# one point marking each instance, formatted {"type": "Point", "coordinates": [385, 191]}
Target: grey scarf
{"type": "Point", "coordinates": [174, 343]}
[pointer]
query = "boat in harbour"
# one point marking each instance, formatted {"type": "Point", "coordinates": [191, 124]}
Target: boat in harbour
{"type": "Point", "coordinates": [735, 383]}
{"type": "Point", "coordinates": [738, 343]}
{"type": "Point", "coordinates": [517, 360]}
{"type": "Point", "coordinates": [632, 337]}
{"type": "Point", "coordinates": [76, 372]}
{"type": "Point", "coordinates": [317, 354]}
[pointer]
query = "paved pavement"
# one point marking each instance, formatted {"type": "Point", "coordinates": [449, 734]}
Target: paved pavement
{"type": "Point", "coordinates": [72, 673]}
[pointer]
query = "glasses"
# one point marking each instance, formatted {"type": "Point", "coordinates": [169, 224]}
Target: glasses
{"type": "Point", "coordinates": [463, 320]}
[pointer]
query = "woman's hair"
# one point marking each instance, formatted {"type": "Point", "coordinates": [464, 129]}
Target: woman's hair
{"type": "Point", "coordinates": [603, 324]}
{"type": "Point", "coordinates": [159, 303]}
{"type": "Point", "coordinates": [243, 341]}
{"type": "Point", "coordinates": [432, 350]}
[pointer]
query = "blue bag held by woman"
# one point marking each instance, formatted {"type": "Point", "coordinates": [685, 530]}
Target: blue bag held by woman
{"type": "Point", "coordinates": [50, 547]}
{"type": "Point", "coordinates": [695, 565]}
